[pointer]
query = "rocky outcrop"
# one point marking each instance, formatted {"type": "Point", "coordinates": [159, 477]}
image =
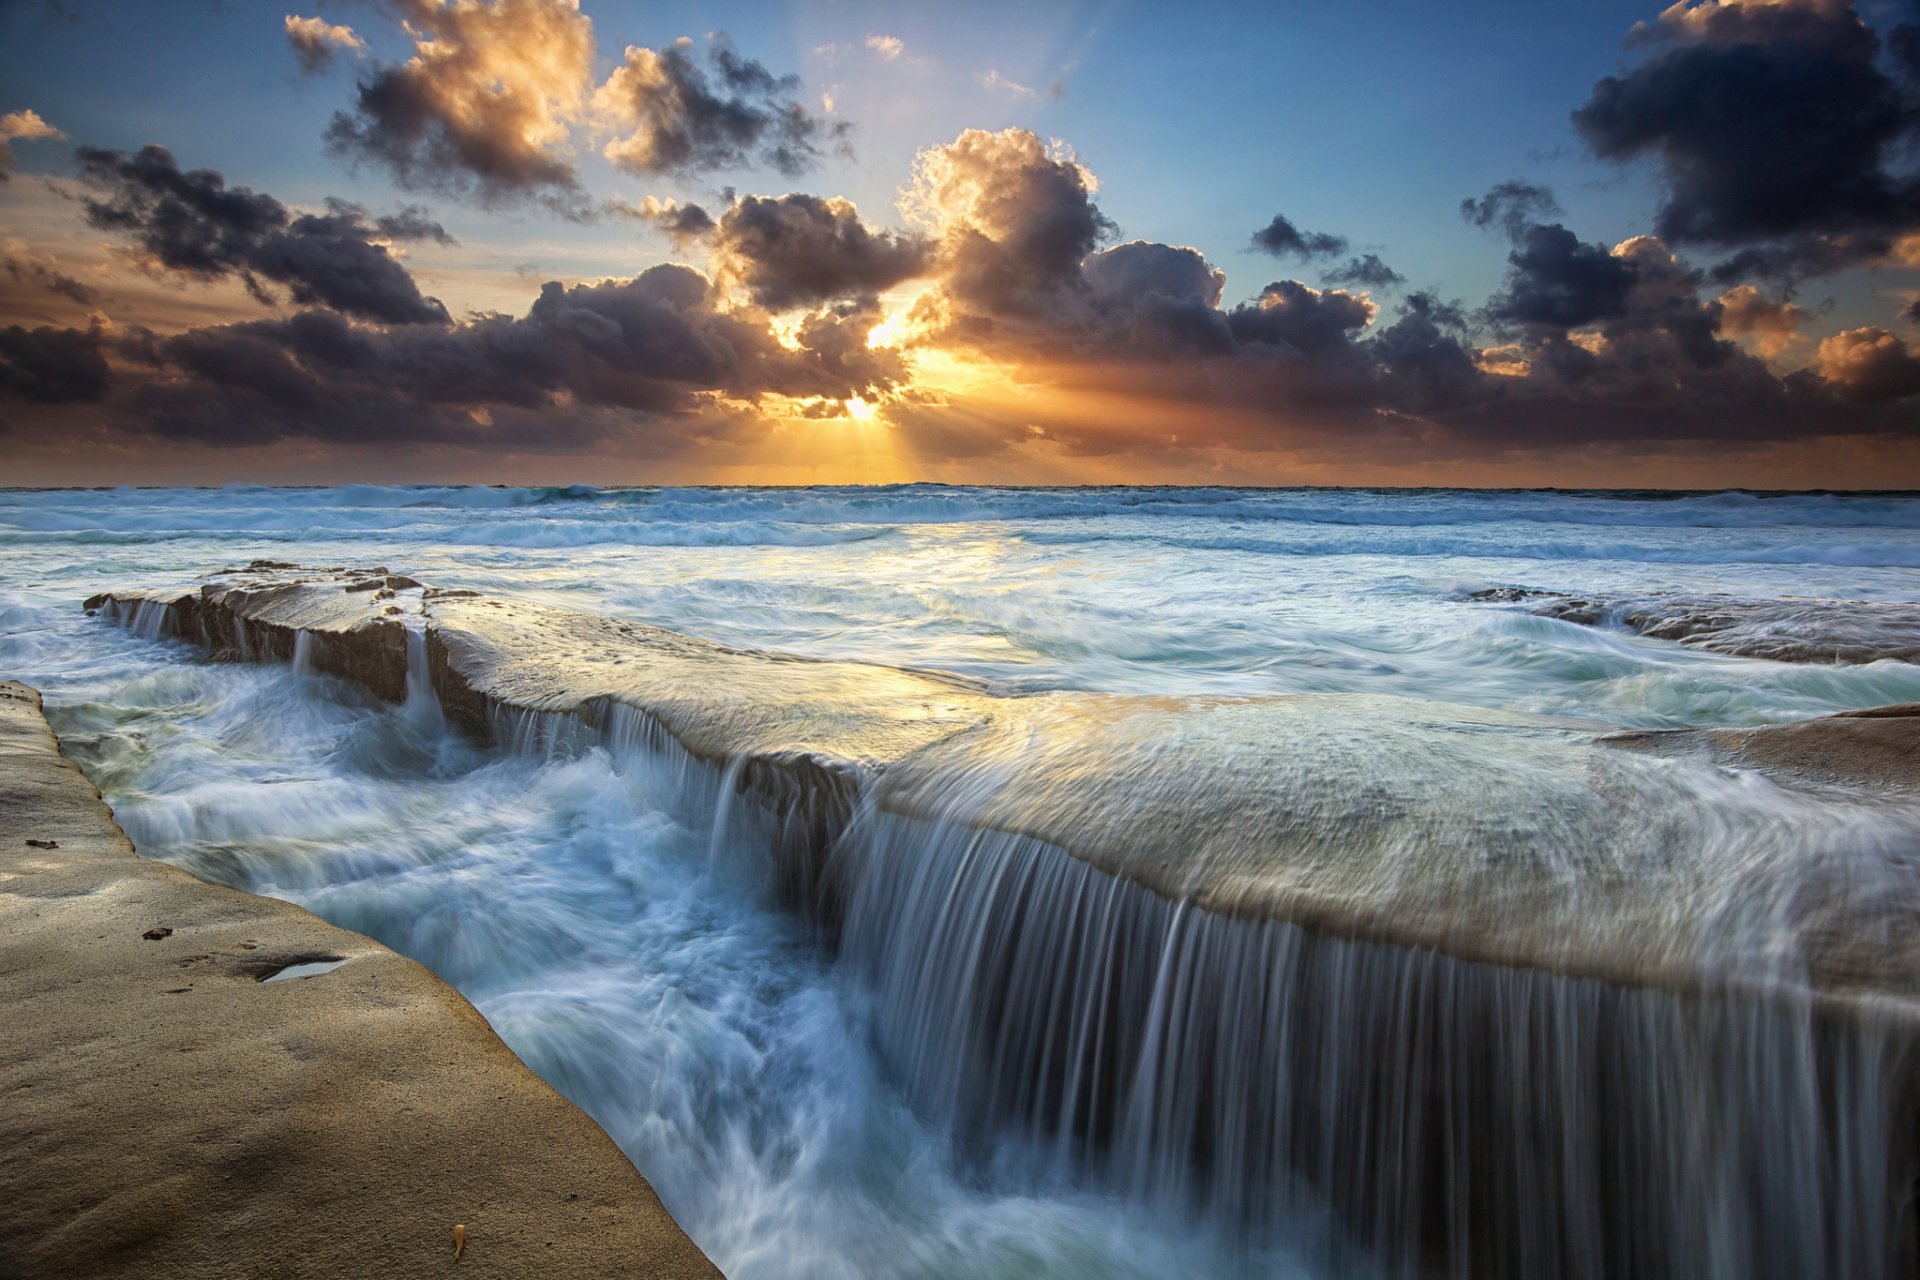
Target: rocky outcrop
{"type": "Point", "coordinates": [1878, 747]}
{"type": "Point", "coordinates": [1787, 630]}
{"type": "Point", "coordinates": [169, 1111]}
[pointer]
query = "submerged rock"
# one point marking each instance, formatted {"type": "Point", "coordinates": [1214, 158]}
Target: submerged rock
{"type": "Point", "coordinates": [1785, 630]}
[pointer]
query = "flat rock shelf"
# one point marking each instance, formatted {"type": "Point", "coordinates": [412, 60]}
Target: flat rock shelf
{"type": "Point", "coordinates": [169, 1112]}
{"type": "Point", "coordinates": [1505, 995]}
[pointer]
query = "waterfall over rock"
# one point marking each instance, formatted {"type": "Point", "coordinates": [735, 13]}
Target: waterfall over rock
{"type": "Point", "coordinates": [1495, 997]}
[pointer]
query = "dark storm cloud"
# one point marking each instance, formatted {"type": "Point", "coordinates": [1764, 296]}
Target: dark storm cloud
{"type": "Point", "coordinates": [1592, 342]}
{"type": "Point", "coordinates": [1424, 366]}
{"type": "Point", "coordinates": [1560, 282]}
{"type": "Point", "coordinates": [794, 249]}
{"type": "Point", "coordinates": [52, 366]}
{"type": "Point", "coordinates": [1366, 271]}
{"type": "Point", "coordinates": [1777, 127]}
{"type": "Point", "coordinates": [1282, 239]}
{"type": "Point", "coordinates": [1155, 297]}
{"type": "Point", "coordinates": [1511, 207]}
{"type": "Point", "coordinates": [1307, 320]}
{"type": "Point", "coordinates": [192, 222]}
{"type": "Point", "coordinates": [583, 359]}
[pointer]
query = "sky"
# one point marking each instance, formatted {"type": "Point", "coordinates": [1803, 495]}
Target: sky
{"type": "Point", "coordinates": [541, 241]}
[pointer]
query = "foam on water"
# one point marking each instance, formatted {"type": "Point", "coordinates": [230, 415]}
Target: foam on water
{"type": "Point", "coordinates": [625, 930]}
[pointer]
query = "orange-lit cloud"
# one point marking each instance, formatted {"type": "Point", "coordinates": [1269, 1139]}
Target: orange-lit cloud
{"type": "Point", "coordinates": [1770, 328]}
{"type": "Point", "coordinates": [315, 41]}
{"type": "Point", "coordinates": [21, 126]}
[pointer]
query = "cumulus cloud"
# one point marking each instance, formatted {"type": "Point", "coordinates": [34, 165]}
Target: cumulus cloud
{"type": "Point", "coordinates": [1778, 127]}
{"type": "Point", "coordinates": [1013, 218]}
{"type": "Point", "coordinates": [315, 41]}
{"type": "Point", "coordinates": [192, 222]}
{"type": "Point", "coordinates": [484, 107]}
{"type": "Point", "coordinates": [1558, 281]}
{"type": "Point", "coordinates": [21, 126]}
{"type": "Point", "coordinates": [1869, 365]}
{"type": "Point", "coordinates": [1282, 239]}
{"type": "Point", "coordinates": [1768, 326]}
{"type": "Point", "coordinates": [671, 115]}
{"type": "Point", "coordinates": [888, 47]}
{"type": "Point", "coordinates": [794, 249]}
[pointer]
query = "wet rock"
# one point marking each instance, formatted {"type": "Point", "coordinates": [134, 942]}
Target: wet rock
{"type": "Point", "coordinates": [1783, 630]}
{"type": "Point", "coordinates": [261, 1130]}
{"type": "Point", "coordinates": [157, 933]}
{"type": "Point", "coordinates": [1877, 747]}
{"type": "Point", "coordinates": [1506, 595]}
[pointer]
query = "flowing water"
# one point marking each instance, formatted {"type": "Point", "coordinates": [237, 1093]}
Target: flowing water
{"type": "Point", "coordinates": [623, 934]}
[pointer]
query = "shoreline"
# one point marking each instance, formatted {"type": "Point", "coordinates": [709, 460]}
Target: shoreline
{"type": "Point", "coordinates": [171, 1112]}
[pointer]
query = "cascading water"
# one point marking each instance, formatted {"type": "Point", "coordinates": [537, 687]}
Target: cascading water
{"type": "Point", "coordinates": [1019, 1063]}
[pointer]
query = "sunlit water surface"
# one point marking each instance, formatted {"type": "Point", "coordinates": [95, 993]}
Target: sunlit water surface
{"type": "Point", "coordinates": [638, 963]}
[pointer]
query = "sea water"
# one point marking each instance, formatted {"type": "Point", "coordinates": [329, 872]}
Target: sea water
{"type": "Point", "coordinates": [635, 955]}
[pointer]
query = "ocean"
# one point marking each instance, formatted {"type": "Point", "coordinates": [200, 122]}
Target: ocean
{"type": "Point", "coordinates": [628, 944]}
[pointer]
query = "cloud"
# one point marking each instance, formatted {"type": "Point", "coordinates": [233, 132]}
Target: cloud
{"type": "Point", "coordinates": [1302, 319]}
{"type": "Point", "coordinates": [1014, 328]}
{"type": "Point", "coordinates": [794, 249]}
{"type": "Point", "coordinates": [683, 224]}
{"type": "Point", "coordinates": [584, 362]}
{"type": "Point", "coordinates": [1282, 239]}
{"type": "Point", "coordinates": [52, 366]}
{"type": "Point", "coordinates": [485, 106]}
{"type": "Point", "coordinates": [672, 117]}
{"type": "Point", "coordinates": [1012, 218]}
{"type": "Point", "coordinates": [1559, 282]}
{"type": "Point", "coordinates": [315, 41]}
{"type": "Point", "coordinates": [1769, 327]}
{"type": "Point", "coordinates": [1155, 298]}
{"type": "Point", "coordinates": [1869, 365]}
{"type": "Point", "coordinates": [1512, 207]}
{"type": "Point", "coordinates": [1777, 125]}
{"type": "Point", "coordinates": [193, 223]}
{"type": "Point", "coordinates": [888, 47]}
{"type": "Point", "coordinates": [27, 268]}
{"type": "Point", "coordinates": [21, 126]}
{"type": "Point", "coordinates": [1366, 271]}
{"type": "Point", "coordinates": [996, 82]}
